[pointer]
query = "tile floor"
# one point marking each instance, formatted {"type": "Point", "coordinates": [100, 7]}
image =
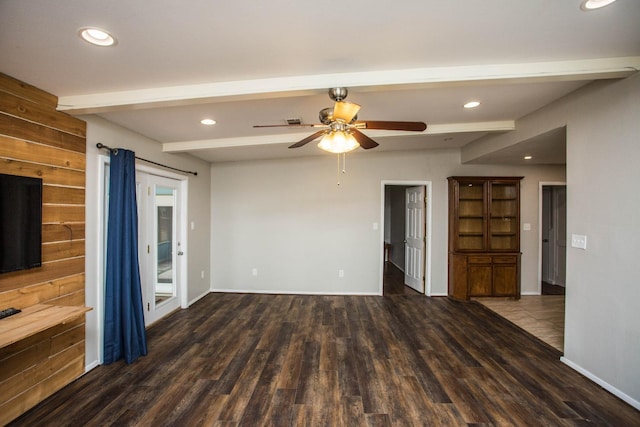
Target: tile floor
{"type": "Point", "coordinates": [540, 315]}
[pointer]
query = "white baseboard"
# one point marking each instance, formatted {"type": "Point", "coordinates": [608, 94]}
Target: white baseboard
{"type": "Point", "coordinates": [287, 292]}
{"type": "Point", "coordinates": [91, 365]}
{"type": "Point", "coordinates": [611, 389]}
{"type": "Point", "coordinates": [199, 297]}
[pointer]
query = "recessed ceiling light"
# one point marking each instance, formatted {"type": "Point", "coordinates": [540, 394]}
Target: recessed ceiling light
{"type": "Point", "coordinates": [528, 157]}
{"type": "Point", "coordinates": [595, 4]}
{"type": "Point", "coordinates": [96, 36]}
{"type": "Point", "coordinates": [208, 122]}
{"type": "Point", "coordinates": [471, 104]}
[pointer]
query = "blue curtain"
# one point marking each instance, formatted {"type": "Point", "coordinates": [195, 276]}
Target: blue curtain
{"type": "Point", "coordinates": [124, 333]}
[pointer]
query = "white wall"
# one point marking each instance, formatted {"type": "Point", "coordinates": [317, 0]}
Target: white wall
{"type": "Point", "coordinates": [602, 320]}
{"type": "Point", "coordinates": [602, 332]}
{"type": "Point", "coordinates": [100, 130]}
{"type": "Point", "coordinates": [288, 219]}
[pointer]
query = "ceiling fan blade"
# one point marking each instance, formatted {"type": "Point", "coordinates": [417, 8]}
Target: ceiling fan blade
{"type": "Point", "coordinates": [364, 141]}
{"type": "Point", "coordinates": [376, 124]}
{"type": "Point", "coordinates": [308, 139]}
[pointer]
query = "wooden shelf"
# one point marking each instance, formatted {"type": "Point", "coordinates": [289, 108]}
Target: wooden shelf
{"type": "Point", "coordinates": [35, 319]}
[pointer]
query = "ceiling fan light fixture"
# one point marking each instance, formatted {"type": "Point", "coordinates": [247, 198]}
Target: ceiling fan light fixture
{"type": "Point", "coordinates": [594, 4]}
{"type": "Point", "coordinates": [338, 142]}
{"type": "Point", "coordinates": [345, 111]}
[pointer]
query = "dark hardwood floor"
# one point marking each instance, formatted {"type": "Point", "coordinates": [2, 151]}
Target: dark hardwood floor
{"type": "Point", "coordinates": [393, 282]}
{"type": "Point", "coordinates": [292, 360]}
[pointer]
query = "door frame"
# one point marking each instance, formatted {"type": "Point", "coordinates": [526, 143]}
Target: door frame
{"type": "Point", "coordinates": [99, 274]}
{"type": "Point", "coordinates": [146, 262]}
{"type": "Point", "coordinates": [427, 251]}
{"type": "Point", "coordinates": [542, 184]}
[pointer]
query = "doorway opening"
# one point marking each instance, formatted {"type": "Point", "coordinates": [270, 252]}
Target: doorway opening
{"type": "Point", "coordinates": [405, 247]}
{"type": "Point", "coordinates": [553, 238]}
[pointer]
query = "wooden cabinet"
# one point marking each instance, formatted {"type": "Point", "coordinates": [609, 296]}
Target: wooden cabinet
{"type": "Point", "coordinates": [484, 236]}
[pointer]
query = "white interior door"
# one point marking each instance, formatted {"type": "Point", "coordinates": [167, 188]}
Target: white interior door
{"type": "Point", "coordinates": [159, 216]}
{"type": "Point", "coordinates": [415, 238]}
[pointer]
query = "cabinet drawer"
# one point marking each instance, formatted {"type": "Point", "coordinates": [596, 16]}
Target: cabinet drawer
{"type": "Point", "coordinates": [479, 260]}
{"type": "Point", "coordinates": [504, 259]}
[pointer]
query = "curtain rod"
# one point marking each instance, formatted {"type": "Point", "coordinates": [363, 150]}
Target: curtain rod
{"type": "Point", "coordinates": [101, 146]}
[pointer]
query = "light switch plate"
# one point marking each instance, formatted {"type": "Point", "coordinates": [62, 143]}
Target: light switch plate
{"type": "Point", "coordinates": [578, 241]}
{"type": "Point", "coordinates": [526, 226]}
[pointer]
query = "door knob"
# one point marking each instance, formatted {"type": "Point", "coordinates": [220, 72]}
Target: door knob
{"type": "Point", "coordinates": [180, 253]}
{"type": "Point", "coordinates": [545, 240]}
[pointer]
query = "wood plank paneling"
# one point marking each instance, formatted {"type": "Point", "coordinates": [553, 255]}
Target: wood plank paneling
{"type": "Point", "coordinates": [31, 111]}
{"type": "Point", "coordinates": [62, 214]}
{"type": "Point", "coordinates": [62, 250]}
{"type": "Point", "coordinates": [38, 141]}
{"type": "Point", "coordinates": [43, 293]}
{"type": "Point", "coordinates": [62, 195]}
{"type": "Point", "coordinates": [21, 403]}
{"type": "Point", "coordinates": [28, 131]}
{"type": "Point", "coordinates": [62, 232]}
{"type": "Point", "coordinates": [24, 90]}
{"type": "Point", "coordinates": [49, 174]}
{"type": "Point", "coordinates": [32, 375]}
{"type": "Point", "coordinates": [49, 271]}
{"type": "Point", "coordinates": [17, 149]}
{"type": "Point", "coordinates": [34, 350]}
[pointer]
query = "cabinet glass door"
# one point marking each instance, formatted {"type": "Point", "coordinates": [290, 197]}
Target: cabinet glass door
{"type": "Point", "coordinates": [471, 218]}
{"type": "Point", "coordinates": [503, 224]}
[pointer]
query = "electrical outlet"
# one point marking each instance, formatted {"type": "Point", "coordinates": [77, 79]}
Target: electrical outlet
{"type": "Point", "coordinates": [578, 241]}
{"type": "Point", "coordinates": [340, 273]}
{"type": "Point", "coordinates": [254, 271]}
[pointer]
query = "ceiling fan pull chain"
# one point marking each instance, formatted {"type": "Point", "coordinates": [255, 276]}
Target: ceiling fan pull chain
{"type": "Point", "coordinates": [344, 162]}
{"type": "Point", "coordinates": [338, 171]}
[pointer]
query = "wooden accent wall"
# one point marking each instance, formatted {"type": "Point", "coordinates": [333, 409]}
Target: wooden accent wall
{"type": "Point", "coordinates": [38, 141]}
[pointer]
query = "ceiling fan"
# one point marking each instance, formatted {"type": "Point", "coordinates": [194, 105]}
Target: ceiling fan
{"type": "Point", "coordinates": [341, 129]}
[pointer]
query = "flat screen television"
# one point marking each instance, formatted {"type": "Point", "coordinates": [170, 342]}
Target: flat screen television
{"type": "Point", "coordinates": [20, 223]}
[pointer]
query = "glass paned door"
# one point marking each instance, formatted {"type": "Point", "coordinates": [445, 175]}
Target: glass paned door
{"type": "Point", "coordinates": [165, 226]}
{"type": "Point", "coordinates": [504, 217]}
{"type": "Point", "coordinates": [471, 216]}
{"type": "Point", "coordinates": [159, 219]}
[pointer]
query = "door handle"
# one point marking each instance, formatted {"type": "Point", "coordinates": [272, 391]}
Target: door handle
{"type": "Point", "coordinates": [180, 253]}
{"type": "Point", "coordinates": [545, 240]}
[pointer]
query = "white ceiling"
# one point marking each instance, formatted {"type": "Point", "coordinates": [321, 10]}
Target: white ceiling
{"type": "Point", "coordinates": [244, 63]}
